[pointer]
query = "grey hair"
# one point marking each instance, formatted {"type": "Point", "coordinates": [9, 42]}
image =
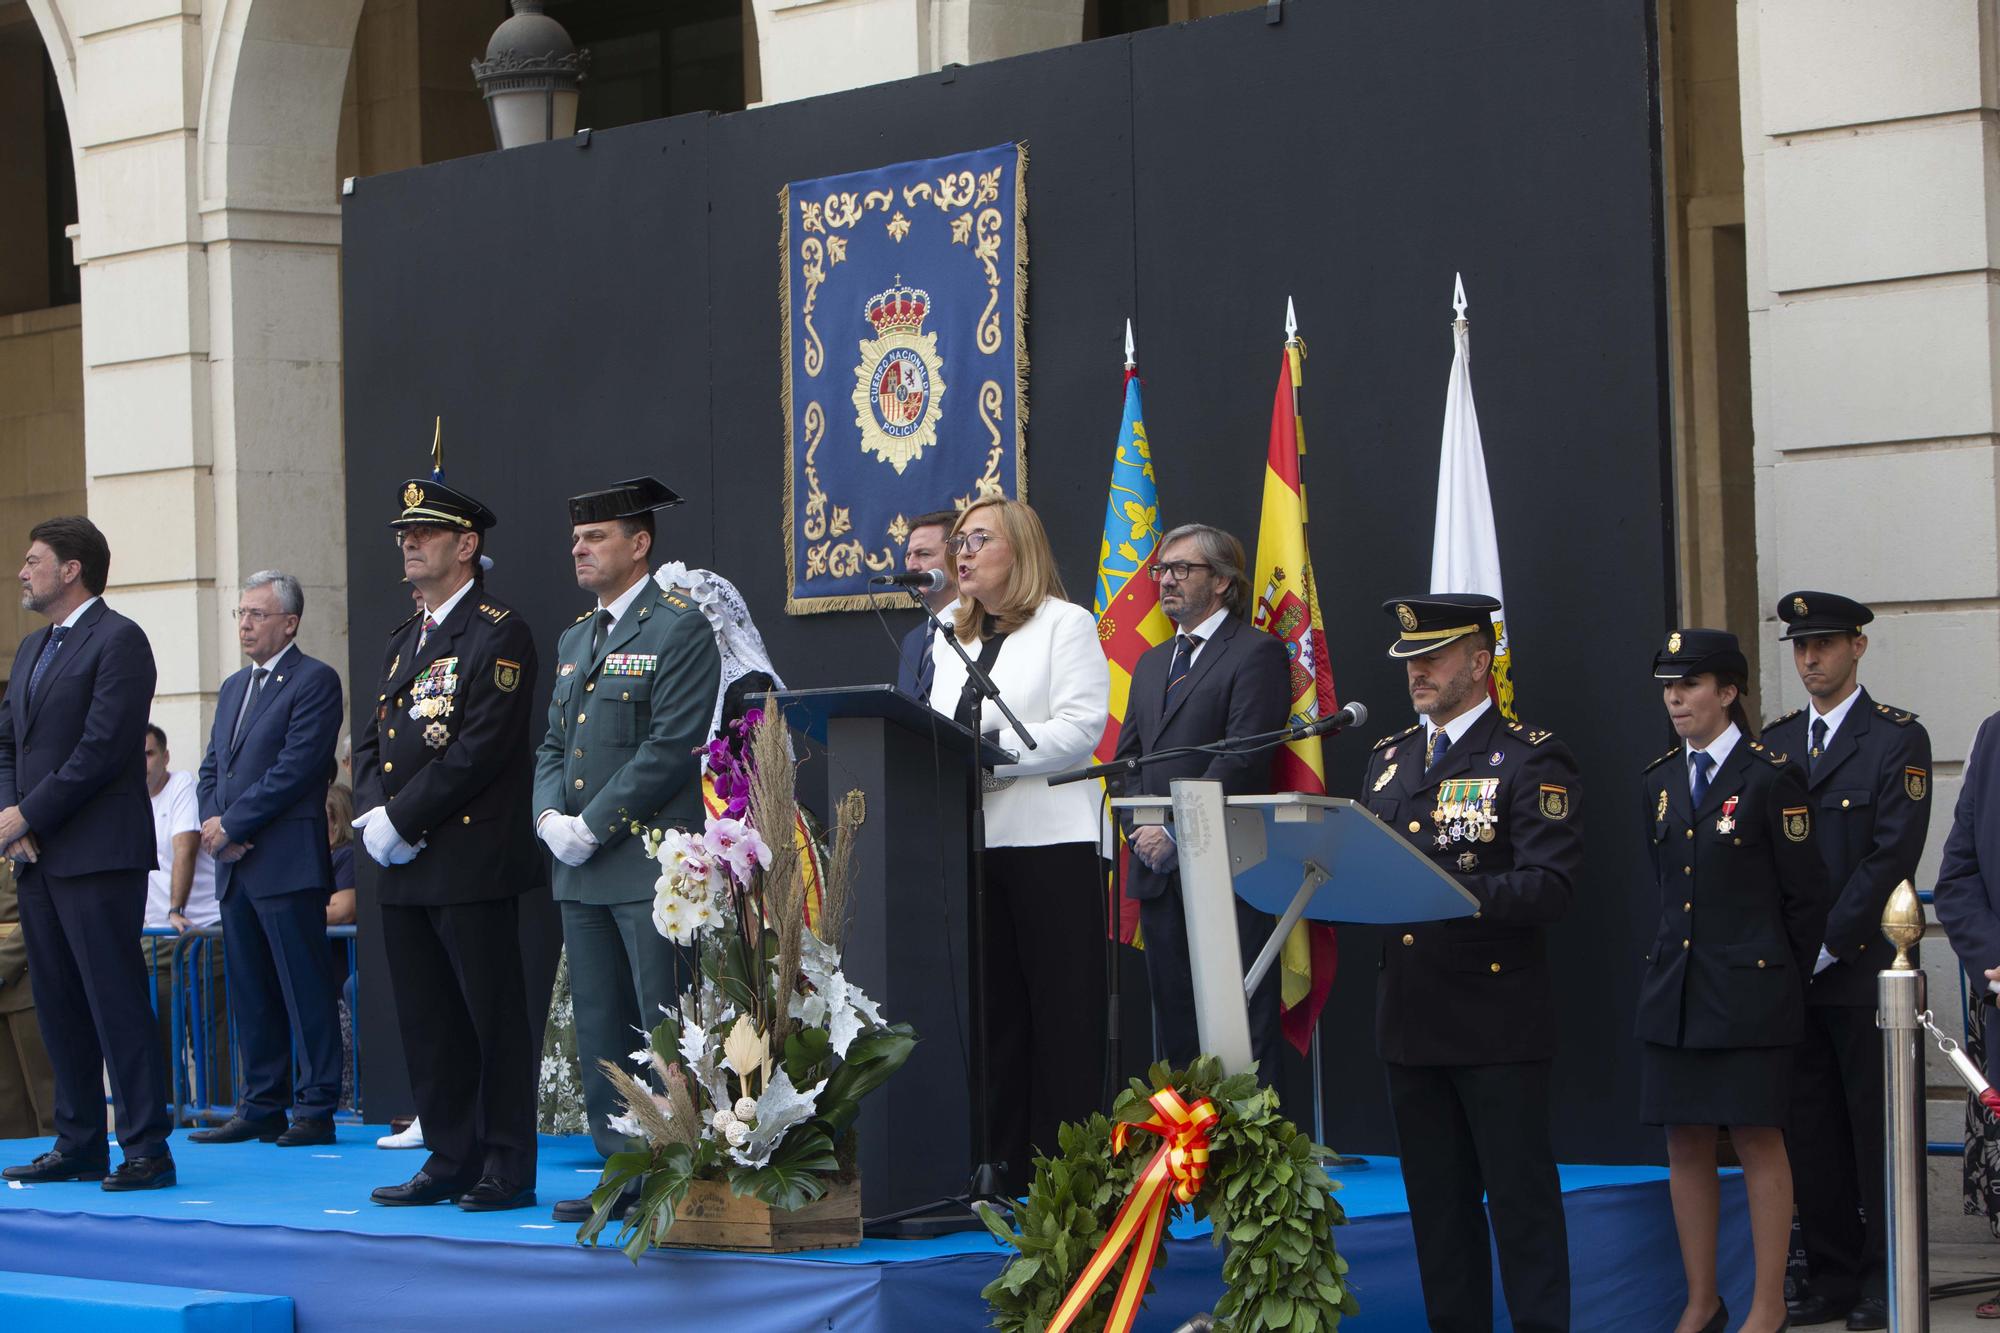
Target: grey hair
{"type": "Point", "coordinates": [1225, 554]}
{"type": "Point", "coordinates": [291, 597]}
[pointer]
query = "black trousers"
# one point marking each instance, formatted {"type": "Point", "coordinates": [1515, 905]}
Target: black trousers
{"type": "Point", "coordinates": [280, 993]}
{"type": "Point", "coordinates": [462, 1006]}
{"type": "Point", "coordinates": [1044, 995]}
{"type": "Point", "coordinates": [93, 1001]}
{"type": "Point", "coordinates": [1835, 1140]}
{"type": "Point", "coordinates": [1170, 978]}
{"type": "Point", "coordinates": [1472, 1130]}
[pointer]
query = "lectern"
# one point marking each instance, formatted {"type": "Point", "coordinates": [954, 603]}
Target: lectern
{"type": "Point", "coordinates": [909, 945]}
{"type": "Point", "coordinates": [1321, 858]}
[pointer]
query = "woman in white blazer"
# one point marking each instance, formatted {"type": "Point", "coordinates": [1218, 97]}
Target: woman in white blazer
{"type": "Point", "coordinates": [1044, 954]}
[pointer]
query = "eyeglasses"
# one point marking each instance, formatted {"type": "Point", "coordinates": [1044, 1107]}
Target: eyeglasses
{"type": "Point", "coordinates": [1180, 569]}
{"type": "Point", "coordinates": [254, 615]}
{"type": "Point", "coordinates": [971, 543]}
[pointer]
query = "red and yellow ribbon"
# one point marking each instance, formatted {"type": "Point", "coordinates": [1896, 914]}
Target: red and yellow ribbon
{"type": "Point", "coordinates": [1174, 1174]}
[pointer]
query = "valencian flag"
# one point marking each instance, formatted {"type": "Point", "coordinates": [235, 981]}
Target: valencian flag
{"type": "Point", "coordinates": [1288, 607]}
{"type": "Point", "coordinates": [1465, 550]}
{"type": "Point", "coordinates": [1127, 601]}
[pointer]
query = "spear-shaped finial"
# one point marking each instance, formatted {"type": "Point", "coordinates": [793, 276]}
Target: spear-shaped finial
{"type": "Point", "coordinates": [1458, 295]}
{"type": "Point", "coordinates": [1291, 322]}
{"type": "Point", "coordinates": [437, 451]}
{"type": "Point", "coordinates": [1130, 362]}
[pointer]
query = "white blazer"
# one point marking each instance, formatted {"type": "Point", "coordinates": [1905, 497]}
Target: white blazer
{"type": "Point", "coordinates": [1052, 673]}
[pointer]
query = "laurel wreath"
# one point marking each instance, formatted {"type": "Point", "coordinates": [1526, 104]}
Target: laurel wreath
{"type": "Point", "coordinates": [1264, 1193]}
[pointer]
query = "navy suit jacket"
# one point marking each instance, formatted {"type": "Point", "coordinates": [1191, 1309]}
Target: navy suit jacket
{"type": "Point", "coordinates": [270, 787]}
{"type": "Point", "coordinates": [1240, 685]}
{"type": "Point", "coordinates": [1968, 884]}
{"type": "Point", "coordinates": [75, 760]}
{"type": "Point", "coordinates": [909, 658]}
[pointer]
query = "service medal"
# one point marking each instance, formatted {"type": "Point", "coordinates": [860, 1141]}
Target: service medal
{"type": "Point", "coordinates": [1486, 833]}
{"type": "Point", "coordinates": [436, 735]}
{"type": "Point", "coordinates": [1727, 824]}
{"type": "Point", "coordinates": [1387, 774]}
{"type": "Point", "coordinates": [1468, 860]}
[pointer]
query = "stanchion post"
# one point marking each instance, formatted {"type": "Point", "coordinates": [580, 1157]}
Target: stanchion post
{"type": "Point", "coordinates": [1899, 998]}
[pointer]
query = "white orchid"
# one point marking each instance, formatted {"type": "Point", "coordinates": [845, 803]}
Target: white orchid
{"type": "Point", "coordinates": [738, 846]}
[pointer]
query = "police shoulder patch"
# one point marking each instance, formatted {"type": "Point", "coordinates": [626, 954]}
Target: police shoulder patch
{"type": "Point", "coordinates": [496, 614]}
{"type": "Point", "coordinates": [1798, 823]}
{"type": "Point", "coordinates": [506, 675]}
{"type": "Point", "coordinates": [1392, 739]}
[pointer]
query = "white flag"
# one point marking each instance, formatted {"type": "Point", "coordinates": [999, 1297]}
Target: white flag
{"type": "Point", "coordinates": [1465, 551]}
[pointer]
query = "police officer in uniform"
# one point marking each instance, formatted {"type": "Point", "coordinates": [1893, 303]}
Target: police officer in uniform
{"type": "Point", "coordinates": [1465, 1013]}
{"type": "Point", "coordinates": [1742, 911]}
{"type": "Point", "coordinates": [636, 679]}
{"type": "Point", "coordinates": [1868, 780]}
{"type": "Point", "coordinates": [443, 772]}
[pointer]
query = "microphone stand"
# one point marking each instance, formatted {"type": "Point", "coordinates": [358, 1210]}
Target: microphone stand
{"type": "Point", "coordinates": [986, 1185]}
{"type": "Point", "coordinates": [1263, 740]}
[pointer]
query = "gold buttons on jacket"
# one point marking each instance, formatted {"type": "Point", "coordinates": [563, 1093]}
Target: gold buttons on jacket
{"type": "Point", "coordinates": [1690, 833]}
{"type": "Point", "coordinates": [579, 784]}
{"type": "Point", "coordinates": [1684, 944]}
{"type": "Point", "coordinates": [578, 752]}
{"type": "Point", "coordinates": [1416, 826]}
{"type": "Point", "coordinates": [589, 685]}
{"type": "Point", "coordinates": [579, 719]}
{"type": "Point", "coordinates": [465, 819]}
{"type": "Point", "coordinates": [625, 694]}
{"type": "Point", "coordinates": [1687, 870]}
{"type": "Point", "coordinates": [1687, 907]}
{"type": "Point", "coordinates": [1843, 802]}
{"type": "Point", "coordinates": [1760, 962]}
{"type": "Point", "coordinates": [1494, 967]}
{"type": "Point", "coordinates": [388, 767]}
{"type": "Point", "coordinates": [1409, 939]}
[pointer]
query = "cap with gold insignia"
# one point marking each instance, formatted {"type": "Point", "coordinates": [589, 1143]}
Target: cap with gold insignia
{"type": "Point", "coordinates": [1689, 652]}
{"type": "Point", "coordinates": [1807, 613]}
{"type": "Point", "coordinates": [1434, 619]}
{"type": "Point", "coordinates": [625, 499]}
{"type": "Point", "coordinates": [429, 502]}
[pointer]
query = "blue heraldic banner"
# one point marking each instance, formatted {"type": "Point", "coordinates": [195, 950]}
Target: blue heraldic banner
{"type": "Point", "coordinates": [906, 372]}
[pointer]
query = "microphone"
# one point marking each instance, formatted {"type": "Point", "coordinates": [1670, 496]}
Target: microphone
{"type": "Point", "coordinates": [1353, 715]}
{"type": "Point", "coordinates": [931, 580]}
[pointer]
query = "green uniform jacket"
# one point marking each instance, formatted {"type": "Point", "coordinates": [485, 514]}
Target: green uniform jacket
{"type": "Point", "coordinates": [15, 993]}
{"type": "Point", "coordinates": [623, 731]}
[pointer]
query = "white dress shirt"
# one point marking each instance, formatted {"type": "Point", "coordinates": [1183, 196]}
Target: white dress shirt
{"type": "Point", "coordinates": [450, 603]}
{"type": "Point", "coordinates": [1205, 632]}
{"type": "Point", "coordinates": [620, 604]}
{"type": "Point", "coordinates": [76, 615]}
{"type": "Point", "coordinates": [1458, 726]}
{"type": "Point", "coordinates": [1833, 718]}
{"type": "Point", "coordinates": [1717, 749]}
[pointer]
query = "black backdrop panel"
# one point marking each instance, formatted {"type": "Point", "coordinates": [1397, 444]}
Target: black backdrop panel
{"type": "Point", "coordinates": [580, 313]}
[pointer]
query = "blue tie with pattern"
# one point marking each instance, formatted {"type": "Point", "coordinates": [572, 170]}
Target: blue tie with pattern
{"type": "Point", "coordinates": [1440, 742]}
{"type": "Point", "coordinates": [1702, 761]}
{"type": "Point", "coordinates": [1184, 646]}
{"type": "Point", "coordinates": [1818, 745]}
{"type": "Point", "coordinates": [48, 655]}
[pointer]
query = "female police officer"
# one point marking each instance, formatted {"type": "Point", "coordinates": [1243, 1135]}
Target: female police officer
{"type": "Point", "coordinates": [1743, 903]}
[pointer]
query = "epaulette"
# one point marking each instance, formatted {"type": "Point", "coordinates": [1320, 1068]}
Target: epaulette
{"type": "Point", "coordinates": [585, 616]}
{"type": "Point", "coordinates": [1896, 715]}
{"type": "Point", "coordinates": [1776, 760]}
{"type": "Point", "coordinates": [1390, 740]}
{"type": "Point", "coordinates": [677, 596]}
{"type": "Point", "coordinates": [496, 614]}
{"type": "Point", "coordinates": [406, 623]}
{"type": "Point", "coordinates": [1663, 759]}
{"type": "Point", "coordinates": [1533, 736]}
{"type": "Point", "coordinates": [1780, 721]}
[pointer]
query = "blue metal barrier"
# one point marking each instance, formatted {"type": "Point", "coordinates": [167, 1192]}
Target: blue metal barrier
{"type": "Point", "coordinates": [198, 992]}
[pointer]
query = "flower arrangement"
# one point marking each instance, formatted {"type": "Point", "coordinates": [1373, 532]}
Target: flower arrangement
{"type": "Point", "coordinates": [762, 1068]}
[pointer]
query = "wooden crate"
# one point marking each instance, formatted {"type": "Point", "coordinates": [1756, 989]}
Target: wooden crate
{"type": "Point", "coordinates": [711, 1218]}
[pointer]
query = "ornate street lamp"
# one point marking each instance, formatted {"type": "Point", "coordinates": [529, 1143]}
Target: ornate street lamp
{"type": "Point", "coordinates": [529, 78]}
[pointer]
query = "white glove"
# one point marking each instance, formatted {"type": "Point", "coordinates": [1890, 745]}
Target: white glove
{"type": "Point", "coordinates": [1824, 961]}
{"type": "Point", "coordinates": [381, 841]}
{"type": "Point", "coordinates": [569, 839]}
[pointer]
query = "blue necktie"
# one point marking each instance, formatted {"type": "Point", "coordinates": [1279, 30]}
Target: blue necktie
{"type": "Point", "coordinates": [1818, 745]}
{"type": "Point", "coordinates": [1184, 646]}
{"type": "Point", "coordinates": [48, 655]}
{"type": "Point", "coordinates": [1440, 742]}
{"type": "Point", "coordinates": [1702, 761]}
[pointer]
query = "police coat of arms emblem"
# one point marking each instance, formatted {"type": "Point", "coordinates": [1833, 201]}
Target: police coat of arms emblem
{"type": "Point", "coordinates": [899, 383]}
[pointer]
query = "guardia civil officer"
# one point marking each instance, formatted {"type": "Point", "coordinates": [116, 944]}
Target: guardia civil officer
{"type": "Point", "coordinates": [1465, 1015]}
{"type": "Point", "coordinates": [636, 679]}
{"type": "Point", "coordinates": [443, 771]}
{"type": "Point", "coordinates": [1868, 782]}
{"type": "Point", "coordinates": [1742, 911]}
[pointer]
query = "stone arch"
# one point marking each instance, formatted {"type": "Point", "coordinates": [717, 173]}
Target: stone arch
{"type": "Point", "coordinates": [270, 120]}
{"type": "Point", "coordinates": [52, 18]}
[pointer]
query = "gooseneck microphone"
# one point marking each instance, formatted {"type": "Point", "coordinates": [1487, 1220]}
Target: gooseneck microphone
{"type": "Point", "coordinates": [1353, 715]}
{"type": "Point", "coordinates": [931, 580]}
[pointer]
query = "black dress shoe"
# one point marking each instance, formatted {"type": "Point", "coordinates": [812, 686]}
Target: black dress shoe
{"type": "Point", "coordinates": [417, 1190]}
{"type": "Point", "coordinates": [306, 1134]}
{"type": "Point", "coordinates": [1814, 1308]}
{"type": "Point", "coordinates": [142, 1173]}
{"type": "Point", "coordinates": [1720, 1321]}
{"type": "Point", "coordinates": [494, 1195]}
{"type": "Point", "coordinates": [1869, 1312]}
{"type": "Point", "coordinates": [238, 1130]}
{"type": "Point", "coordinates": [53, 1165]}
{"type": "Point", "coordinates": [579, 1210]}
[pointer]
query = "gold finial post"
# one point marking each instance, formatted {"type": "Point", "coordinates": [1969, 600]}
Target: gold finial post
{"type": "Point", "coordinates": [437, 450]}
{"type": "Point", "coordinates": [1903, 923]}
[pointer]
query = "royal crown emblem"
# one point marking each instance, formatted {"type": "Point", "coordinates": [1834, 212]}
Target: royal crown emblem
{"type": "Point", "coordinates": [1798, 606]}
{"type": "Point", "coordinates": [413, 495]}
{"type": "Point", "coordinates": [1405, 617]}
{"type": "Point", "coordinates": [1674, 642]}
{"type": "Point", "coordinates": [899, 383]}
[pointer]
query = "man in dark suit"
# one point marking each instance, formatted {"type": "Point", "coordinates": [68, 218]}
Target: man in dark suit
{"type": "Point", "coordinates": [1216, 677]}
{"type": "Point", "coordinates": [1868, 770]}
{"type": "Point", "coordinates": [263, 808]}
{"type": "Point", "coordinates": [923, 552]}
{"type": "Point", "coordinates": [75, 817]}
{"type": "Point", "coordinates": [443, 771]}
{"type": "Point", "coordinates": [1465, 1016]}
{"type": "Point", "coordinates": [1967, 898]}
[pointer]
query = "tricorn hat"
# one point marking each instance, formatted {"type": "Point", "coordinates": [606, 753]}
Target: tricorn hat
{"type": "Point", "coordinates": [626, 499]}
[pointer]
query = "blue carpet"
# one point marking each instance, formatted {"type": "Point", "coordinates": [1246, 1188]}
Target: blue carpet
{"type": "Point", "coordinates": [254, 1217]}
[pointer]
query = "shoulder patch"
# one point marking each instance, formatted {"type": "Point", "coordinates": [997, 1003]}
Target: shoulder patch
{"type": "Point", "coordinates": [1532, 735]}
{"type": "Point", "coordinates": [1673, 753]}
{"type": "Point", "coordinates": [1780, 721]}
{"type": "Point", "coordinates": [1392, 739]}
{"type": "Point", "coordinates": [1777, 760]}
{"type": "Point", "coordinates": [1896, 715]}
{"type": "Point", "coordinates": [496, 614]}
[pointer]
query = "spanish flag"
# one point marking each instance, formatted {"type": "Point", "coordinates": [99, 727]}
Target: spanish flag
{"type": "Point", "coordinates": [1288, 607]}
{"type": "Point", "coordinates": [1127, 601]}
